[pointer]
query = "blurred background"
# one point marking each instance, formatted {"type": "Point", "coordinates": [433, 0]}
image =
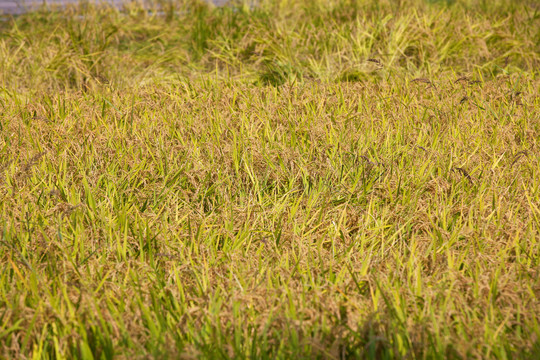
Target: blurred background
{"type": "Point", "coordinates": [21, 6]}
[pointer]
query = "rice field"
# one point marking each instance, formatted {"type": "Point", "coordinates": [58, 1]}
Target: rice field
{"type": "Point", "coordinates": [338, 179]}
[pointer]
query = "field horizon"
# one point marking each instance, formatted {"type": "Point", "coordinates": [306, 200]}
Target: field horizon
{"type": "Point", "coordinates": [332, 179]}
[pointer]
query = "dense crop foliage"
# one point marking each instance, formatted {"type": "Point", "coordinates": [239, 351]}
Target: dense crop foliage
{"type": "Point", "coordinates": [299, 179]}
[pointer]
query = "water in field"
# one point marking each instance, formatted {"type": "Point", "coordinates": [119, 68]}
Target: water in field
{"type": "Point", "coordinates": [20, 6]}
